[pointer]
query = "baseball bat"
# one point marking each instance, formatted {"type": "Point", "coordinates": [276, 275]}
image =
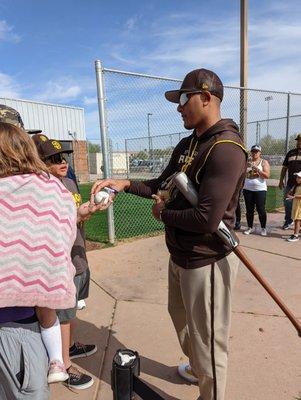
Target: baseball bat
{"type": "Point", "coordinates": [186, 187]}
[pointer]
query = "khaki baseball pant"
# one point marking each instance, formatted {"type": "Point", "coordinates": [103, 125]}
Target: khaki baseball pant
{"type": "Point", "coordinates": [199, 303]}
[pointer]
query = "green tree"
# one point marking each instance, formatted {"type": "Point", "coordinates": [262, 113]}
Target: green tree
{"type": "Point", "coordinates": [271, 146]}
{"type": "Point", "coordinates": [93, 148]}
{"type": "Point", "coordinates": [142, 155]}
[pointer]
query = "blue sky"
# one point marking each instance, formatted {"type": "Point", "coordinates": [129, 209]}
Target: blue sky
{"type": "Point", "coordinates": [48, 48]}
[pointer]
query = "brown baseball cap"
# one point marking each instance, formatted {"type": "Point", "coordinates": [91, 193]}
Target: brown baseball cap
{"type": "Point", "coordinates": [51, 147]}
{"type": "Point", "coordinates": [33, 131]}
{"type": "Point", "coordinates": [198, 80]}
{"type": "Point", "coordinates": [39, 138]}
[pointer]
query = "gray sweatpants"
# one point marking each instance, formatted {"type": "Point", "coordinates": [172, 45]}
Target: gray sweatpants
{"type": "Point", "coordinates": [23, 363]}
{"type": "Point", "coordinates": [199, 304]}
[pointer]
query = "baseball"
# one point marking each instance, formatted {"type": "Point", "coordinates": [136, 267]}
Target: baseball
{"type": "Point", "coordinates": [101, 197]}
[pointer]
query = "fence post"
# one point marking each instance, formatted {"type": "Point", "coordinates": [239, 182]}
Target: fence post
{"type": "Point", "coordinates": [104, 142]}
{"type": "Point", "coordinates": [287, 122]}
{"type": "Point", "coordinates": [244, 115]}
{"type": "Point", "coordinates": [127, 159]}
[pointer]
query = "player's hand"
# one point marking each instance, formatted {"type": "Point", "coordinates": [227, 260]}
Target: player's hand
{"type": "Point", "coordinates": [117, 184]}
{"type": "Point", "coordinates": [158, 206]}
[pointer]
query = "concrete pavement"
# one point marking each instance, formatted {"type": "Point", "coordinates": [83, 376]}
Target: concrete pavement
{"type": "Point", "coordinates": [127, 309]}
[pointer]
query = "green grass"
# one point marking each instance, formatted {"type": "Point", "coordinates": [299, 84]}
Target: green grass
{"type": "Point", "coordinates": [274, 198]}
{"type": "Point", "coordinates": [133, 217]}
{"type": "Point", "coordinates": [275, 171]}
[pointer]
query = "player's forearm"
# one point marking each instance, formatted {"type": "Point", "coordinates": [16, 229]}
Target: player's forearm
{"type": "Point", "coordinates": [216, 191]}
{"type": "Point", "coordinates": [151, 186]}
{"type": "Point", "coordinates": [200, 219]}
{"type": "Point", "coordinates": [144, 188]}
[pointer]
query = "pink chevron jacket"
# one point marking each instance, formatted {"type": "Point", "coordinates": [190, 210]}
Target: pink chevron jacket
{"type": "Point", "coordinates": [37, 232]}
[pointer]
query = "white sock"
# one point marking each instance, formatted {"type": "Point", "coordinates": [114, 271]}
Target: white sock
{"type": "Point", "coordinates": [52, 340]}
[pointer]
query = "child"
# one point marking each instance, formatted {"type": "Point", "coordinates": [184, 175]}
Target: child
{"type": "Point", "coordinates": [54, 156]}
{"type": "Point", "coordinates": [52, 339]}
{"type": "Point", "coordinates": [295, 195]}
{"type": "Point", "coordinates": [34, 205]}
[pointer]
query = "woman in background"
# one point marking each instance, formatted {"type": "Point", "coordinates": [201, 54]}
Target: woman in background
{"type": "Point", "coordinates": [255, 189]}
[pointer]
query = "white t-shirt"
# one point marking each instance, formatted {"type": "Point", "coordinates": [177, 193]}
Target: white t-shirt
{"type": "Point", "coordinates": [253, 182]}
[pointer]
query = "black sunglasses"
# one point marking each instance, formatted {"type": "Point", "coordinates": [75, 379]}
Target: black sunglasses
{"type": "Point", "coordinates": [56, 158]}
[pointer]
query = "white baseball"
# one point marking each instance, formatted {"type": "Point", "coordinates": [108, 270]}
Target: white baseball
{"type": "Point", "coordinates": [101, 197]}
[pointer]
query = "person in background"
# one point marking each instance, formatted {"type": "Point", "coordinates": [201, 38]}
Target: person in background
{"type": "Point", "coordinates": [54, 155]}
{"type": "Point", "coordinates": [291, 164]}
{"type": "Point", "coordinates": [295, 196]}
{"type": "Point", "coordinates": [28, 266]}
{"type": "Point", "coordinates": [202, 268]}
{"type": "Point", "coordinates": [255, 189]}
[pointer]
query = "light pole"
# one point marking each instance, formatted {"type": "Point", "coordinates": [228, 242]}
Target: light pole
{"type": "Point", "coordinates": [258, 129]}
{"type": "Point", "coordinates": [268, 99]}
{"type": "Point", "coordinates": [244, 69]}
{"type": "Point", "coordinates": [148, 134]}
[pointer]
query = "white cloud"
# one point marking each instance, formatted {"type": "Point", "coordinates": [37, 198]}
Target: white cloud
{"type": "Point", "coordinates": [175, 48]}
{"type": "Point", "coordinates": [90, 100]}
{"type": "Point", "coordinates": [282, 78]}
{"type": "Point", "coordinates": [63, 89]}
{"type": "Point", "coordinates": [7, 34]}
{"type": "Point", "coordinates": [131, 23]}
{"type": "Point", "coordinates": [8, 86]}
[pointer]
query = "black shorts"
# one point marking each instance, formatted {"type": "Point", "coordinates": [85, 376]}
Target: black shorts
{"type": "Point", "coordinates": [82, 284]}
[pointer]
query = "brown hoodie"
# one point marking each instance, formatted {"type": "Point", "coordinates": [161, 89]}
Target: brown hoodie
{"type": "Point", "coordinates": [218, 173]}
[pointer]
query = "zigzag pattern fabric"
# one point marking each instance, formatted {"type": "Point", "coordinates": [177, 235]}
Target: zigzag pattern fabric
{"type": "Point", "coordinates": [37, 232]}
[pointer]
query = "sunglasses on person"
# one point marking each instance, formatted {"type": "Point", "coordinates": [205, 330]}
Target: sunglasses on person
{"type": "Point", "coordinates": [56, 158]}
{"type": "Point", "coordinates": [184, 97]}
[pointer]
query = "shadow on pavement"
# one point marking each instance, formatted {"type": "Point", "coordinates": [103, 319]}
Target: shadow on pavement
{"type": "Point", "coordinates": [99, 336]}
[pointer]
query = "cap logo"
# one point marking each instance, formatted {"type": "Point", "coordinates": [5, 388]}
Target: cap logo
{"type": "Point", "coordinates": [56, 145]}
{"type": "Point", "coordinates": [77, 199]}
{"type": "Point", "coordinates": [43, 138]}
{"type": "Point", "coordinates": [205, 86]}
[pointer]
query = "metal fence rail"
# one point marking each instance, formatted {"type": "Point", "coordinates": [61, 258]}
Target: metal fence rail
{"type": "Point", "coordinates": [139, 130]}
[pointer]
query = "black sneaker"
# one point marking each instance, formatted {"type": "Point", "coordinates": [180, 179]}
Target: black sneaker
{"type": "Point", "coordinates": [293, 238]}
{"type": "Point", "coordinates": [79, 350]}
{"type": "Point", "coordinates": [77, 379]}
{"type": "Point", "coordinates": [237, 227]}
{"type": "Point", "coordinates": [287, 226]}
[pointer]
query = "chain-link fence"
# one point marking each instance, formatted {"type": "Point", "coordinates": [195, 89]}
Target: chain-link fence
{"type": "Point", "coordinates": [143, 129]}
